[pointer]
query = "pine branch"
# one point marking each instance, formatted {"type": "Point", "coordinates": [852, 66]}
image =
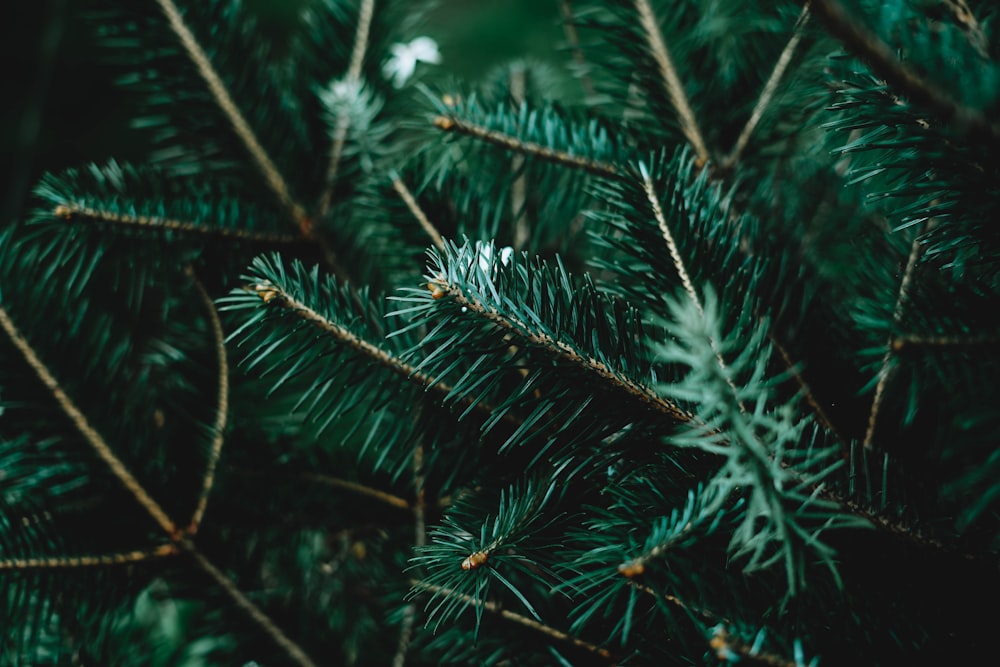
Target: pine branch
{"type": "Point", "coordinates": [591, 366]}
{"type": "Point", "coordinates": [419, 541]}
{"type": "Point", "coordinates": [360, 490]}
{"type": "Point", "coordinates": [104, 560]}
{"type": "Point", "coordinates": [904, 342]}
{"type": "Point", "coordinates": [404, 193]}
{"type": "Point", "coordinates": [71, 212]}
{"type": "Point", "coordinates": [517, 619]}
{"type": "Point", "coordinates": [768, 92]}
{"type": "Point", "coordinates": [343, 121]}
{"type": "Point", "coordinates": [668, 236]}
{"type": "Point", "coordinates": [675, 255]}
{"type": "Point", "coordinates": [142, 497]}
{"type": "Point", "coordinates": [519, 188]}
{"type": "Point", "coordinates": [886, 369]}
{"type": "Point", "coordinates": [866, 45]}
{"type": "Point", "coordinates": [507, 142]}
{"type": "Point", "coordinates": [252, 611]}
{"type": "Point", "coordinates": [273, 294]}
{"type": "Point", "coordinates": [573, 39]}
{"type": "Point", "coordinates": [92, 437]}
{"type": "Point", "coordinates": [272, 176]}
{"type": "Point", "coordinates": [466, 278]}
{"type": "Point", "coordinates": [671, 81]}
{"type": "Point", "coordinates": [821, 416]}
{"type": "Point", "coordinates": [222, 405]}
{"type": "Point", "coordinates": [733, 650]}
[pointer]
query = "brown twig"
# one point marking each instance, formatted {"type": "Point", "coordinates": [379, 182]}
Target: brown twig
{"type": "Point", "coordinates": [573, 39]}
{"type": "Point", "coordinates": [517, 619]}
{"type": "Point", "coordinates": [92, 437]}
{"type": "Point", "coordinates": [70, 212]}
{"type": "Point", "coordinates": [221, 403]}
{"type": "Point", "coordinates": [293, 650]}
{"type": "Point", "coordinates": [419, 540]}
{"type": "Point", "coordinates": [142, 497]}
{"type": "Point", "coordinates": [901, 343]}
{"type": "Point", "coordinates": [357, 488]}
{"type": "Point", "coordinates": [104, 560]}
{"type": "Point", "coordinates": [222, 97]}
{"type": "Point", "coordinates": [411, 203]}
{"type": "Point", "coordinates": [768, 92]}
{"type": "Point", "coordinates": [343, 119]}
{"type": "Point", "coordinates": [732, 649]}
{"type": "Point", "coordinates": [886, 369]}
{"type": "Point", "coordinates": [459, 126]}
{"type": "Point", "coordinates": [682, 272]}
{"type": "Point", "coordinates": [821, 416]}
{"type": "Point", "coordinates": [272, 294]}
{"type": "Point", "coordinates": [671, 80]}
{"type": "Point", "coordinates": [519, 188]}
{"type": "Point", "coordinates": [593, 367]}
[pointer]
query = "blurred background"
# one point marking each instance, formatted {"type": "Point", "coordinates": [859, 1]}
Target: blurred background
{"type": "Point", "coordinates": [59, 108]}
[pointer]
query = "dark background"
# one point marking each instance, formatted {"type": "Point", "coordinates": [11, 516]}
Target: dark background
{"type": "Point", "coordinates": [60, 109]}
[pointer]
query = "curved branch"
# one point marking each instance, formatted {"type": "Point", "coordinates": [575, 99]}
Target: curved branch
{"type": "Point", "coordinates": [93, 438]}
{"type": "Point", "coordinates": [222, 405]}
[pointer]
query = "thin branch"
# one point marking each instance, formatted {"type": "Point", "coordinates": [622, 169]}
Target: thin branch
{"type": "Point", "coordinates": [519, 188]}
{"type": "Point", "coordinates": [671, 81]}
{"type": "Point", "coordinates": [336, 482]}
{"type": "Point", "coordinates": [93, 438]}
{"type": "Point", "coordinates": [220, 93]}
{"type": "Point", "coordinates": [867, 46]}
{"type": "Point", "coordinates": [886, 370]}
{"type": "Point", "coordinates": [675, 255]}
{"type": "Point", "coordinates": [573, 39]}
{"type": "Point", "coordinates": [517, 619]}
{"type": "Point", "coordinates": [343, 118]}
{"type": "Point", "coordinates": [71, 212]}
{"type": "Point", "coordinates": [804, 387]}
{"type": "Point", "coordinates": [709, 616]}
{"type": "Point", "coordinates": [222, 405]}
{"type": "Point", "coordinates": [144, 499]}
{"type": "Point", "coordinates": [293, 650]}
{"type": "Point", "coordinates": [901, 343]}
{"type": "Point", "coordinates": [592, 366]}
{"type": "Point", "coordinates": [732, 649]}
{"type": "Point", "coordinates": [411, 203]}
{"type": "Point", "coordinates": [419, 540]}
{"type": "Point", "coordinates": [769, 90]}
{"type": "Point", "coordinates": [505, 141]}
{"type": "Point", "coordinates": [75, 562]}
{"type": "Point", "coordinates": [668, 236]}
{"type": "Point", "coordinates": [270, 293]}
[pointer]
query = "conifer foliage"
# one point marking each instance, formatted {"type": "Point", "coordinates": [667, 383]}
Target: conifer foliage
{"type": "Point", "coordinates": [696, 365]}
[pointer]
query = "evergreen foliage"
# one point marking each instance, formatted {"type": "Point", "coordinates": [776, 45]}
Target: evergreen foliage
{"type": "Point", "coordinates": [698, 365]}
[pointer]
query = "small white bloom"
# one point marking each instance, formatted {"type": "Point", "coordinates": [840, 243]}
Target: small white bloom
{"type": "Point", "coordinates": [404, 58]}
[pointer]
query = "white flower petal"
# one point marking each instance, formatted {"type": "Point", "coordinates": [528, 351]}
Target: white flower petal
{"type": "Point", "coordinates": [425, 50]}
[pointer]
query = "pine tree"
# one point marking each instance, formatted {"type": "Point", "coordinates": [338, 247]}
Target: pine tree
{"type": "Point", "coordinates": [698, 365]}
